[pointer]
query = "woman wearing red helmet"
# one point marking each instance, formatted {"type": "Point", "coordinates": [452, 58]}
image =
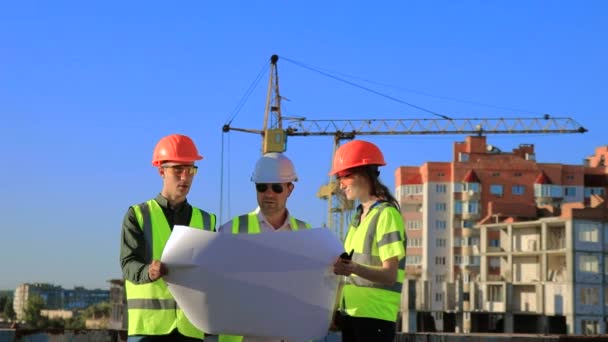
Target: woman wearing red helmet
{"type": "Point", "coordinates": [374, 270]}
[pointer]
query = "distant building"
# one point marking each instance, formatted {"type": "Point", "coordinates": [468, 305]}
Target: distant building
{"type": "Point", "coordinates": [485, 201]}
{"type": "Point", "coordinates": [80, 298]}
{"type": "Point", "coordinates": [56, 298]}
{"type": "Point", "coordinates": [51, 294]}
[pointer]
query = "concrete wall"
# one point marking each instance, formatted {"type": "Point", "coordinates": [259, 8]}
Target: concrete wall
{"type": "Point", "coordinates": [526, 269]}
{"type": "Point", "coordinates": [557, 299]}
{"type": "Point", "coordinates": [525, 298]}
{"type": "Point", "coordinates": [526, 239]}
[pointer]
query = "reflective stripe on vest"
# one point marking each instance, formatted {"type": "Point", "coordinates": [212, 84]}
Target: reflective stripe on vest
{"type": "Point", "coordinates": [151, 308]}
{"type": "Point", "coordinates": [367, 258]}
{"type": "Point", "coordinates": [249, 224]}
{"type": "Point", "coordinates": [360, 288]}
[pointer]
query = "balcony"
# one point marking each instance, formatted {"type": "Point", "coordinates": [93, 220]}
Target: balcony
{"type": "Point", "coordinates": [411, 199]}
{"type": "Point", "coordinates": [470, 216]}
{"type": "Point", "coordinates": [471, 195]}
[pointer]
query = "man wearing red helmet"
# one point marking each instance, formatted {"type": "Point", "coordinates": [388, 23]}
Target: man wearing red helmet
{"type": "Point", "coordinates": [153, 313]}
{"type": "Point", "coordinates": [374, 268]}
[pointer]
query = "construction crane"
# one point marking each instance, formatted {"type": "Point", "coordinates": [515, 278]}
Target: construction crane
{"type": "Point", "coordinates": [276, 128]}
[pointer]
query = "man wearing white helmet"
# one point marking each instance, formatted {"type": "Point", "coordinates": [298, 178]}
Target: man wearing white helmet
{"type": "Point", "coordinates": [273, 176]}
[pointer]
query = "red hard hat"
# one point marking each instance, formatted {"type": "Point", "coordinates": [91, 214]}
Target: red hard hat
{"type": "Point", "coordinates": [356, 153]}
{"type": "Point", "coordinates": [175, 147]}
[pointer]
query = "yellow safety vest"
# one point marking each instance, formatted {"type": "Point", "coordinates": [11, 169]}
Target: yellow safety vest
{"type": "Point", "coordinates": [364, 298]}
{"type": "Point", "coordinates": [151, 307]}
{"type": "Point", "coordinates": [249, 224]}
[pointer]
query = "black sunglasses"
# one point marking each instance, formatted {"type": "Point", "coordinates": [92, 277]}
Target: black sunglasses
{"type": "Point", "coordinates": [262, 187]}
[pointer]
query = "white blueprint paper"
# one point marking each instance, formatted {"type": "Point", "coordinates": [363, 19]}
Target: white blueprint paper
{"type": "Point", "coordinates": [277, 284]}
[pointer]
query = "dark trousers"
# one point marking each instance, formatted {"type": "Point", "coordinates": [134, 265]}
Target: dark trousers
{"type": "Point", "coordinates": [358, 329]}
{"type": "Point", "coordinates": [173, 336]}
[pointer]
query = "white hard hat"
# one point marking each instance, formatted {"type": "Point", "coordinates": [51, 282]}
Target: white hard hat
{"type": "Point", "coordinates": [274, 167]}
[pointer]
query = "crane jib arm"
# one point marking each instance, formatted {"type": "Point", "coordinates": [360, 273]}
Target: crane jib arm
{"type": "Point", "coordinates": [473, 126]}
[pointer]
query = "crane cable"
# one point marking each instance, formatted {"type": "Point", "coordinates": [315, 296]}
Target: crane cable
{"type": "Point", "coordinates": [225, 160]}
{"type": "Point", "coordinates": [252, 86]}
{"type": "Point", "coordinates": [423, 93]}
{"type": "Point", "coordinates": [365, 88]}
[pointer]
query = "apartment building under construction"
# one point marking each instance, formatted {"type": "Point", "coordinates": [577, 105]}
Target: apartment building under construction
{"type": "Point", "coordinates": [500, 243]}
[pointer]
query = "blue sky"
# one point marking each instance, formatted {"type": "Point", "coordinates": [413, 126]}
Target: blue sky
{"type": "Point", "coordinates": [87, 89]}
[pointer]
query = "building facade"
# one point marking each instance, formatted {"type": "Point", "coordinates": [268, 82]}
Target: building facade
{"type": "Point", "coordinates": [56, 298]}
{"type": "Point", "coordinates": [451, 210]}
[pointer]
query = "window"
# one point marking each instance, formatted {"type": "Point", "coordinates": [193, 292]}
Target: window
{"type": "Point", "coordinates": [570, 191]}
{"type": "Point", "coordinates": [494, 243]}
{"type": "Point", "coordinates": [556, 191]}
{"type": "Point", "coordinates": [440, 174]}
{"type": "Point", "coordinates": [589, 263]}
{"type": "Point", "coordinates": [413, 225]}
{"type": "Point", "coordinates": [414, 242]}
{"type": "Point", "coordinates": [413, 260]}
{"type": "Point", "coordinates": [470, 260]}
{"type": "Point", "coordinates": [457, 187]}
{"type": "Point", "coordinates": [439, 260]}
{"type": "Point", "coordinates": [495, 293]}
{"type": "Point", "coordinates": [594, 191]}
{"type": "Point", "coordinates": [457, 259]}
{"type": "Point", "coordinates": [468, 224]}
{"type": "Point", "coordinates": [589, 295]}
{"type": "Point", "coordinates": [457, 207]}
{"type": "Point", "coordinates": [440, 242]}
{"type": "Point", "coordinates": [457, 242]}
{"type": "Point", "coordinates": [440, 188]}
{"type": "Point", "coordinates": [517, 174]}
{"type": "Point", "coordinates": [570, 177]}
{"type": "Point", "coordinates": [440, 278]}
{"type": "Point", "coordinates": [440, 206]}
{"type": "Point", "coordinates": [495, 174]}
{"type": "Point", "coordinates": [588, 232]}
{"type": "Point", "coordinates": [518, 189]}
{"type": "Point", "coordinates": [463, 157]}
{"type": "Point", "coordinates": [413, 189]}
{"type": "Point", "coordinates": [542, 190]}
{"type": "Point", "coordinates": [471, 187]}
{"type": "Point", "coordinates": [589, 327]}
{"type": "Point", "coordinates": [496, 189]}
{"type": "Point", "coordinates": [472, 207]}
{"type": "Point", "coordinates": [440, 224]}
{"type": "Point", "coordinates": [438, 297]}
